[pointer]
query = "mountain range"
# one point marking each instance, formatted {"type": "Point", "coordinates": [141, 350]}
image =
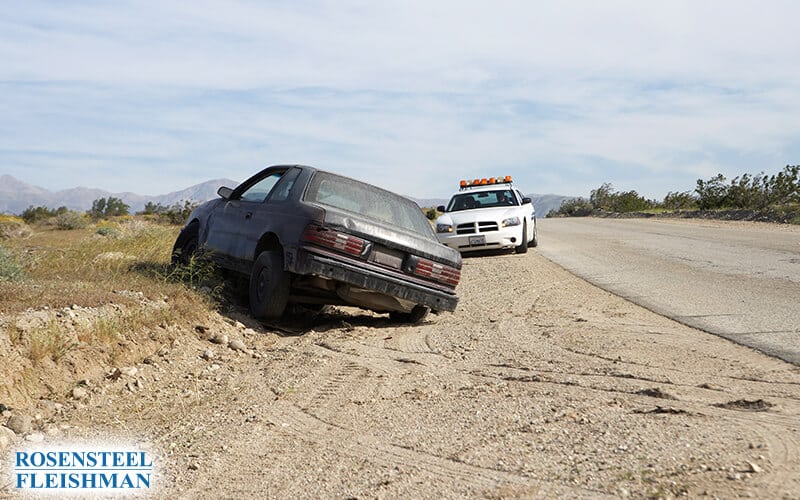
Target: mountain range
{"type": "Point", "coordinates": [16, 196]}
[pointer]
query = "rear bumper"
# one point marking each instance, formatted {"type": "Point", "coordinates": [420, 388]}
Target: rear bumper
{"type": "Point", "coordinates": [309, 263]}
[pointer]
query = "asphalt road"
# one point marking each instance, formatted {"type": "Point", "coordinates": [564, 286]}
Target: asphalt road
{"type": "Point", "coordinates": [738, 280]}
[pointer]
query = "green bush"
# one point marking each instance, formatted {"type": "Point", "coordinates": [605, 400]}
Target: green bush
{"type": "Point", "coordinates": [108, 207]}
{"type": "Point", "coordinates": [604, 198]}
{"type": "Point", "coordinates": [754, 192]}
{"type": "Point", "coordinates": [71, 220]}
{"type": "Point", "coordinates": [177, 214]}
{"type": "Point", "coordinates": [108, 231]}
{"type": "Point", "coordinates": [629, 201]}
{"type": "Point", "coordinates": [10, 268]}
{"type": "Point", "coordinates": [33, 214]}
{"type": "Point", "coordinates": [574, 207]}
{"type": "Point", "coordinates": [679, 201]}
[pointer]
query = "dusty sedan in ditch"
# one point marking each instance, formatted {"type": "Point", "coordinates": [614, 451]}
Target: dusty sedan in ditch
{"type": "Point", "coordinates": [306, 236]}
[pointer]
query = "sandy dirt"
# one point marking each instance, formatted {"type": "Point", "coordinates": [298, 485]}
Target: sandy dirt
{"type": "Point", "coordinates": [539, 385]}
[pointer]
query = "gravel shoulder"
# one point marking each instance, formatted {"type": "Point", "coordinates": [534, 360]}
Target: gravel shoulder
{"type": "Point", "coordinates": [539, 385]}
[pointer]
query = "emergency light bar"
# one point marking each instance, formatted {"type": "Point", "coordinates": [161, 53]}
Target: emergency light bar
{"type": "Point", "coordinates": [485, 182]}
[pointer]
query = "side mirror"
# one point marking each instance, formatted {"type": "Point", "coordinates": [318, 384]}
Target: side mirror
{"type": "Point", "coordinates": [526, 200]}
{"type": "Point", "coordinates": [440, 208]}
{"type": "Point", "coordinates": [225, 192]}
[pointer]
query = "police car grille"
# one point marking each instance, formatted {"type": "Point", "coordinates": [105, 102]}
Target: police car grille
{"type": "Point", "coordinates": [479, 227]}
{"type": "Point", "coordinates": [465, 228]}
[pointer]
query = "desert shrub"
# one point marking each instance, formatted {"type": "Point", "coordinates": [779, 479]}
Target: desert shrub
{"type": "Point", "coordinates": [32, 215]}
{"type": "Point", "coordinates": [151, 208]}
{"type": "Point", "coordinates": [108, 231]}
{"type": "Point", "coordinates": [10, 268]}
{"type": "Point", "coordinates": [747, 191]}
{"type": "Point", "coordinates": [573, 207]}
{"type": "Point", "coordinates": [71, 220]}
{"type": "Point", "coordinates": [177, 213]}
{"type": "Point", "coordinates": [108, 207]}
{"type": "Point", "coordinates": [431, 213]}
{"type": "Point", "coordinates": [712, 193]}
{"type": "Point", "coordinates": [750, 191]}
{"type": "Point", "coordinates": [601, 198]}
{"type": "Point", "coordinates": [629, 201]}
{"type": "Point", "coordinates": [679, 201]}
{"type": "Point", "coordinates": [605, 198]}
{"type": "Point", "coordinates": [784, 187]}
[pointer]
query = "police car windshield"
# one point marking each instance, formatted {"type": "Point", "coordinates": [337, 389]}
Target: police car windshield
{"type": "Point", "coordinates": [482, 199]}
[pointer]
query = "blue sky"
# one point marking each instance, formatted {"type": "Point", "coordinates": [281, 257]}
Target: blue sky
{"type": "Point", "coordinates": [152, 97]}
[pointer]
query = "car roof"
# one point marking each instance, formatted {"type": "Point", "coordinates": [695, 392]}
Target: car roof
{"type": "Point", "coordinates": [315, 169]}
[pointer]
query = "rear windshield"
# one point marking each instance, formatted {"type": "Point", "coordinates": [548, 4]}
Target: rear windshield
{"type": "Point", "coordinates": [369, 201]}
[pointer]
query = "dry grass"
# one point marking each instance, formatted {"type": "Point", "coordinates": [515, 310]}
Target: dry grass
{"type": "Point", "coordinates": [89, 299]}
{"type": "Point", "coordinates": [85, 268]}
{"type": "Point", "coordinates": [50, 342]}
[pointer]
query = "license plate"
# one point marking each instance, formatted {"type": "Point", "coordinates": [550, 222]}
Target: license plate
{"type": "Point", "coordinates": [388, 257]}
{"type": "Point", "coordinates": [475, 241]}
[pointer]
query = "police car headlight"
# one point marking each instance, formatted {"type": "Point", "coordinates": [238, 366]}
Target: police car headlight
{"type": "Point", "coordinates": [444, 228]}
{"type": "Point", "coordinates": [511, 221]}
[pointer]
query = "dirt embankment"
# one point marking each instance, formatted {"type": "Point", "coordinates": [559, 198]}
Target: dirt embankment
{"type": "Point", "coordinates": [539, 385]}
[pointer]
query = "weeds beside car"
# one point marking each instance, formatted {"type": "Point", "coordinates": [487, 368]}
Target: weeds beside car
{"type": "Point", "coordinates": [10, 267]}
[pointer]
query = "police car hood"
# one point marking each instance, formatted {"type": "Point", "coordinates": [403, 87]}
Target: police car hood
{"type": "Point", "coordinates": [497, 214]}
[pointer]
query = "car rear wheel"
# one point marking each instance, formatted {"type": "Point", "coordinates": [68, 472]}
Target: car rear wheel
{"type": "Point", "coordinates": [523, 247]}
{"type": "Point", "coordinates": [269, 286]}
{"type": "Point", "coordinates": [186, 246]}
{"type": "Point", "coordinates": [414, 316]}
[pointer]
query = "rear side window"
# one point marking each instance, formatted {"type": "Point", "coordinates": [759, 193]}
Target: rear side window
{"type": "Point", "coordinates": [372, 202]}
{"type": "Point", "coordinates": [258, 192]}
{"type": "Point", "coordinates": [282, 189]}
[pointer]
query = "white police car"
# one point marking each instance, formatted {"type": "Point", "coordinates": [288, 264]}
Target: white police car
{"type": "Point", "coordinates": [488, 214]}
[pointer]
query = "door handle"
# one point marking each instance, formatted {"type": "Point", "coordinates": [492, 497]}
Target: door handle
{"type": "Point", "coordinates": [248, 215]}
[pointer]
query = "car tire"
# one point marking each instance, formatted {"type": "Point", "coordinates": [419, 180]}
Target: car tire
{"type": "Point", "coordinates": [523, 247]}
{"type": "Point", "coordinates": [535, 241]}
{"type": "Point", "coordinates": [185, 246]}
{"type": "Point", "coordinates": [414, 316]}
{"type": "Point", "coordinates": [269, 286]}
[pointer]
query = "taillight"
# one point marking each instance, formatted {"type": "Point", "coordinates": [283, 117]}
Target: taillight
{"type": "Point", "coordinates": [343, 242]}
{"type": "Point", "coordinates": [435, 271]}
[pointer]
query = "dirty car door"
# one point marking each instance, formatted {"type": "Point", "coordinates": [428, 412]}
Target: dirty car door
{"type": "Point", "coordinates": [271, 215]}
{"type": "Point", "coordinates": [232, 225]}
